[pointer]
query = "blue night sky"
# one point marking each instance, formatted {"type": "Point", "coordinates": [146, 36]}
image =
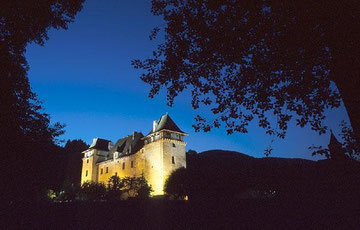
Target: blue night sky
{"type": "Point", "coordinates": [84, 77]}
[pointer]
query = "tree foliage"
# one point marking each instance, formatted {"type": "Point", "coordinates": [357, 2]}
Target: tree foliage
{"type": "Point", "coordinates": [136, 187]}
{"type": "Point", "coordinates": [246, 60]}
{"type": "Point", "coordinates": [93, 191]}
{"type": "Point", "coordinates": [116, 189]}
{"type": "Point", "coordinates": [27, 138]}
{"type": "Point", "coordinates": [349, 146]}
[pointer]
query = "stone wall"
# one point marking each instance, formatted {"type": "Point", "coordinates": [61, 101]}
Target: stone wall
{"type": "Point", "coordinates": [126, 166]}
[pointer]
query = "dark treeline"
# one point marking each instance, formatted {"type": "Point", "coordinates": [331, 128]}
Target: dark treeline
{"type": "Point", "coordinates": [48, 168]}
{"type": "Point", "coordinates": [31, 159]}
{"type": "Point", "coordinates": [66, 165]}
{"type": "Point", "coordinates": [308, 195]}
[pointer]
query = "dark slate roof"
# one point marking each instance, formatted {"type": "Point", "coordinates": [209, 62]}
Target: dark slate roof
{"type": "Point", "coordinates": [128, 145]}
{"type": "Point", "coordinates": [100, 144]}
{"type": "Point", "coordinates": [165, 122]}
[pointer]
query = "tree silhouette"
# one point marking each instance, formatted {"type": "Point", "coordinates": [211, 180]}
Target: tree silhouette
{"type": "Point", "coordinates": [249, 59]}
{"type": "Point", "coordinates": [27, 139]}
{"type": "Point", "coordinates": [114, 187]}
{"type": "Point", "coordinates": [177, 184]}
{"type": "Point", "coordinates": [73, 152]}
{"type": "Point", "coordinates": [136, 187]}
{"type": "Point", "coordinates": [92, 191]}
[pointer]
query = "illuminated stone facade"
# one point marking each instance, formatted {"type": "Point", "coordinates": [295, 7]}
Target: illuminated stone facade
{"type": "Point", "coordinates": [155, 156]}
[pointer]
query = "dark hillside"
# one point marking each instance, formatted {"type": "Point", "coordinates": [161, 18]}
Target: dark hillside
{"type": "Point", "coordinates": [221, 154]}
{"type": "Point", "coordinates": [230, 175]}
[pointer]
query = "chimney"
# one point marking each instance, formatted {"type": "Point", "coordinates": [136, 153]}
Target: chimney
{"type": "Point", "coordinates": [154, 126]}
{"type": "Point", "coordinates": [133, 136]}
{"type": "Point", "coordinates": [110, 145]}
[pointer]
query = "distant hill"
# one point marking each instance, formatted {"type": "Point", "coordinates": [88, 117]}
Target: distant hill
{"type": "Point", "coordinates": [225, 156]}
{"type": "Point", "coordinates": [224, 153]}
{"type": "Point", "coordinates": [219, 153]}
{"type": "Point", "coordinates": [222, 173]}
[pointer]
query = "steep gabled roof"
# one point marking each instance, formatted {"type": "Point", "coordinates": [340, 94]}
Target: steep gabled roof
{"type": "Point", "coordinates": [128, 145]}
{"type": "Point", "coordinates": [100, 144]}
{"type": "Point", "coordinates": [165, 122]}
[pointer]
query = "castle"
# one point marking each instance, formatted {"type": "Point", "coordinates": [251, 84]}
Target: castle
{"type": "Point", "coordinates": [155, 155]}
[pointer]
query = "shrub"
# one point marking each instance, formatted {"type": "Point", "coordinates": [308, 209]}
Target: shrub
{"type": "Point", "coordinates": [136, 187]}
{"type": "Point", "coordinates": [92, 191]}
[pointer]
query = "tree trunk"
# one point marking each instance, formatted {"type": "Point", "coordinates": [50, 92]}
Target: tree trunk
{"type": "Point", "coordinates": [348, 84]}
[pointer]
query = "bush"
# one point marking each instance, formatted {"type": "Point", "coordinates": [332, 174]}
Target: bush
{"type": "Point", "coordinates": [136, 187]}
{"type": "Point", "coordinates": [113, 190]}
{"type": "Point", "coordinates": [92, 191]}
{"type": "Point", "coordinates": [116, 189]}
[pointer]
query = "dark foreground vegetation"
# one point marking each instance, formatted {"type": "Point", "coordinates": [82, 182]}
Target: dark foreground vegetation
{"type": "Point", "coordinates": [226, 190]}
{"type": "Point", "coordinates": [165, 214]}
{"type": "Point", "coordinates": [115, 189]}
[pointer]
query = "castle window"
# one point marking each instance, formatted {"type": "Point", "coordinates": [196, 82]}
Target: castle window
{"type": "Point", "coordinates": [107, 170]}
{"type": "Point", "coordinates": [132, 164]}
{"type": "Point", "coordinates": [123, 166]}
{"type": "Point", "coordinates": [173, 159]}
{"type": "Point", "coordinates": [174, 145]}
{"type": "Point", "coordinates": [87, 160]}
{"type": "Point", "coordinates": [101, 171]}
{"type": "Point", "coordinates": [116, 174]}
{"type": "Point", "coordinates": [86, 173]}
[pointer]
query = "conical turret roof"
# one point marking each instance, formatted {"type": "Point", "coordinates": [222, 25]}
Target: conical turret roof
{"type": "Point", "coordinates": [165, 122]}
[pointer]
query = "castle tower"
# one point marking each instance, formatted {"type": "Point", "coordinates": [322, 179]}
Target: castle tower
{"type": "Point", "coordinates": [164, 152]}
{"type": "Point", "coordinates": [98, 151]}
